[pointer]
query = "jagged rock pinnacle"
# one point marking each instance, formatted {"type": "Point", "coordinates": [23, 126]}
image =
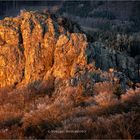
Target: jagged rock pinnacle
{"type": "Point", "coordinates": [35, 43]}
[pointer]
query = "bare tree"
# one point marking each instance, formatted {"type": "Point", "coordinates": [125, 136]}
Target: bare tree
{"type": "Point", "coordinates": [137, 59]}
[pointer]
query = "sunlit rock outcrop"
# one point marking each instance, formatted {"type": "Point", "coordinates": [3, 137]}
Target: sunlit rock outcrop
{"type": "Point", "coordinates": [37, 48]}
{"type": "Point", "coordinates": [35, 43]}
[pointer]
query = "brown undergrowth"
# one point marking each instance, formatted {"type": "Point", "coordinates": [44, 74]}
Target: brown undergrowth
{"type": "Point", "coordinates": [70, 113]}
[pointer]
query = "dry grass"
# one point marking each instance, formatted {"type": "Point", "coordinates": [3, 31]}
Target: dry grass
{"type": "Point", "coordinates": [28, 114]}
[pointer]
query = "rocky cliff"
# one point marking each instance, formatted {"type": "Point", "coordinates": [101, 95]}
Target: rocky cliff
{"type": "Point", "coordinates": [106, 58]}
{"type": "Point", "coordinates": [35, 43]}
{"type": "Point", "coordinates": [37, 47]}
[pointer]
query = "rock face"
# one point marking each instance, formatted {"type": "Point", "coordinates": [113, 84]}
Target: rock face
{"type": "Point", "coordinates": [106, 58]}
{"type": "Point", "coordinates": [35, 43]}
{"type": "Point", "coordinates": [70, 51]}
{"type": "Point", "coordinates": [11, 53]}
{"type": "Point", "coordinates": [37, 49]}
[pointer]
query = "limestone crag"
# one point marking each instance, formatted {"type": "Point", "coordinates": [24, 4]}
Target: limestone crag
{"type": "Point", "coordinates": [35, 43]}
{"type": "Point", "coordinates": [38, 49]}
